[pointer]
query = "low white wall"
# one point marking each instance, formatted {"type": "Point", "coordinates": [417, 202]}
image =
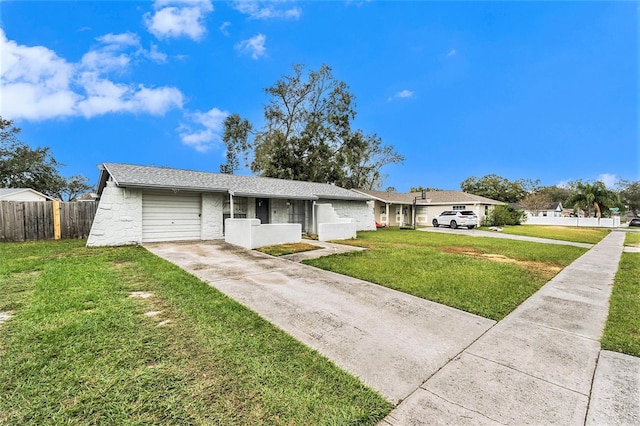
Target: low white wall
{"type": "Point", "coordinates": [337, 230]}
{"type": "Point", "coordinates": [333, 227]}
{"type": "Point", "coordinates": [574, 221]}
{"type": "Point", "coordinates": [249, 233]}
{"type": "Point", "coordinates": [118, 220]}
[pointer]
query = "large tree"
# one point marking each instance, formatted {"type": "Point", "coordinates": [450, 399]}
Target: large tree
{"type": "Point", "coordinates": [536, 202]}
{"type": "Point", "coordinates": [556, 193]}
{"type": "Point", "coordinates": [592, 195]}
{"type": "Point", "coordinates": [307, 135]}
{"type": "Point", "coordinates": [421, 188]}
{"type": "Point", "coordinates": [630, 196]}
{"type": "Point", "coordinates": [499, 188]}
{"type": "Point", "coordinates": [236, 139]}
{"type": "Point", "coordinates": [24, 167]}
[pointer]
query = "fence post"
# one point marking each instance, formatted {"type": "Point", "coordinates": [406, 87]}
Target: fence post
{"type": "Point", "coordinates": [56, 220]}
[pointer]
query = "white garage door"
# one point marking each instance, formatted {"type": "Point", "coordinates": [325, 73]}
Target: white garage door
{"type": "Point", "coordinates": [170, 217]}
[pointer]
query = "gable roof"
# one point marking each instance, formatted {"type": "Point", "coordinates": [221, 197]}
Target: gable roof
{"type": "Point", "coordinates": [132, 176]}
{"type": "Point", "coordinates": [11, 191]}
{"type": "Point", "coordinates": [437, 197]}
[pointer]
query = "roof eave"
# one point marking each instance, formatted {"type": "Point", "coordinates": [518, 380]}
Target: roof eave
{"type": "Point", "coordinates": [169, 187]}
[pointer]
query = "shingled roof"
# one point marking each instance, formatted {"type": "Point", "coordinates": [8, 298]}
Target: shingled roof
{"type": "Point", "coordinates": [132, 176]}
{"type": "Point", "coordinates": [437, 197]}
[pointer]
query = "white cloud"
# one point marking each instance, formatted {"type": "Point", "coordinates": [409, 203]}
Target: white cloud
{"type": "Point", "coordinates": [104, 60]}
{"type": "Point", "coordinates": [452, 52]}
{"type": "Point", "coordinates": [116, 52]}
{"type": "Point", "coordinates": [224, 28]}
{"type": "Point", "coordinates": [209, 127]}
{"type": "Point", "coordinates": [357, 3]}
{"type": "Point", "coordinates": [104, 96]}
{"type": "Point", "coordinates": [401, 94]}
{"type": "Point", "coordinates": [608, 179]}
{"type": "Point", "coordinates": [155, 55]}
{"type": "Point", "coordinates": [117, 40]}
{"type": "Point", "coordinates": [267, 9]}
{"type": "Point", "coordinates": [253, 46]}
{"type": "Point", "coordinates": [37, 84]}
{"type": "Point", "coordinates": [178, 18]}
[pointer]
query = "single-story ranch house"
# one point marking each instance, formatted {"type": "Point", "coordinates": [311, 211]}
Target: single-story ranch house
{"type": "Point", "coordinates": [395, 209]}
{"type": "Point", "coordinates": [140, 204]}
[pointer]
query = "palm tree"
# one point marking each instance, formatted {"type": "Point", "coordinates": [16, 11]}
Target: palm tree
{"type": "Point", "coordinates": [594, 194]}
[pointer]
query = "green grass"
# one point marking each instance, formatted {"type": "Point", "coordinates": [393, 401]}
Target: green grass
{"type": "Point", "coordinates": [485, 276]}
{"type": "Point", "coordinates": [284, 249]}
{"type": "Point", "coordinates": [622, 330]}
{"type": "Point", "coordinates": [79, 350]}
{"type": "Point", "coordinates": [564, 233]}
{"type": "Point", "coordinates": [632, 239]}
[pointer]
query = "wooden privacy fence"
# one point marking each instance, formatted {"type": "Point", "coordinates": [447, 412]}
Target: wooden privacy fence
{"type": "Point", "coordinates": [45, 220]}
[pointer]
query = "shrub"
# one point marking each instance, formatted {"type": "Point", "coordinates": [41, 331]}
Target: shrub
{"type": "Point", "coordinates": [505, 215]}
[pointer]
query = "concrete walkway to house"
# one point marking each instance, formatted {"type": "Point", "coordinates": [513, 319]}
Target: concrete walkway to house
{"type": "Point", "coordinates": [537, 365]}
{"type": "Point", "coordinates": [325, 249]}
{"type": "Point", "coordinates": [495, 234]}
{"type": "Point", "coordinates": [442, 365]}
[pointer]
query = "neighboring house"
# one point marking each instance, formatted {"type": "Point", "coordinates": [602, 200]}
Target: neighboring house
{"type": "Point", "coordinates": [140, 204]}
{"type": "Point", "coordinates": [22, 194]}
{"type": "Point", "coordinates": [89, 196]}
{"type": "Point", "coordinates": [395, 209]}
{"type": "Point", "coordinates": [551, 210]}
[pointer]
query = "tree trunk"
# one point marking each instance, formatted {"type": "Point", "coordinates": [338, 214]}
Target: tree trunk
{"type": "Point", "coordinates": [597, 209]}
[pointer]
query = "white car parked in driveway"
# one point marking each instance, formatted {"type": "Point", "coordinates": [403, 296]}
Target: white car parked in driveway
{"type": "Point", "coordinates": [455, 218]}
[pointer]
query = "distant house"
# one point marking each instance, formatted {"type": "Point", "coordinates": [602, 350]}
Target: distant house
{"type": "Point", "coordinates": [396, 209]}
{"type": "Point", "coordinates": [22, 194]}
{"type": "Point", "coordinates": [140, 204]}
{"type": "Point", "coordinates": [554, 209]}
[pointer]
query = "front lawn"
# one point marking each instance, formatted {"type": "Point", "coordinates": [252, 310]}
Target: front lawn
{"type": "Point", "coordinates": [564, 233]}
{"type": "Point", "coordinates": [485, 276]}
{"type": "Point", "coordinates": [622, 331]}
{"type": "Point", "coordinates": [119, 336]}
{"type": "Point", "coordinates": [632, 239]}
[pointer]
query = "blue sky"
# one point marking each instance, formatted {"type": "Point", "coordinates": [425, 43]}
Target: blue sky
{"type": "Point", "coordinates": [535, 90]}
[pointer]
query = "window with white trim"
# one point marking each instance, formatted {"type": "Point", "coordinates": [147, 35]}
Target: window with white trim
{"type": "Point", "coordinates": [459, 207]}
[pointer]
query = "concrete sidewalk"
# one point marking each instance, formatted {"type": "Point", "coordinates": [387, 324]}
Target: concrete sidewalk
{"type": "Point", "coordinates": [493, 234]}
{"type": "Point", "coordinates": [537, 365]}
{"type": "Point", "coordinates": [325, 249]}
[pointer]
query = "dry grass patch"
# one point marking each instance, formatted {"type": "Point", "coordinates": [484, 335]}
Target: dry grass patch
{"type": "Point", "coordinates": [546, 269]}
{"type": "Point", "coordinates": [284, 249]}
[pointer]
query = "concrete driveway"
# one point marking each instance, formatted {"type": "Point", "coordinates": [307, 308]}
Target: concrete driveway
{"type": "Point", "coordinates": [542, 364]}
{"type": "Point", "coordinates": [392, 341]}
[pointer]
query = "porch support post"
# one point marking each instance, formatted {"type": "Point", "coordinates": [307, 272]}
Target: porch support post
{"type": "Point", "coordinates": [231, 203]}
{"type": "Point", "coordinates": [386, 209]}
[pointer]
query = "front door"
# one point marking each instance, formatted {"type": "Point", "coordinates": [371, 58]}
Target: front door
{"type": "Point", "coordinates": [262, 210]}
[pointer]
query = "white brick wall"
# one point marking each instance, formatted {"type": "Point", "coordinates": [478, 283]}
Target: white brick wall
{"type": "Point", "coordinates": [211, 220]}
{"type": "Point", "coordinates": [118, 220]}
{"type": "Point", "coordinates": [358, 210]}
